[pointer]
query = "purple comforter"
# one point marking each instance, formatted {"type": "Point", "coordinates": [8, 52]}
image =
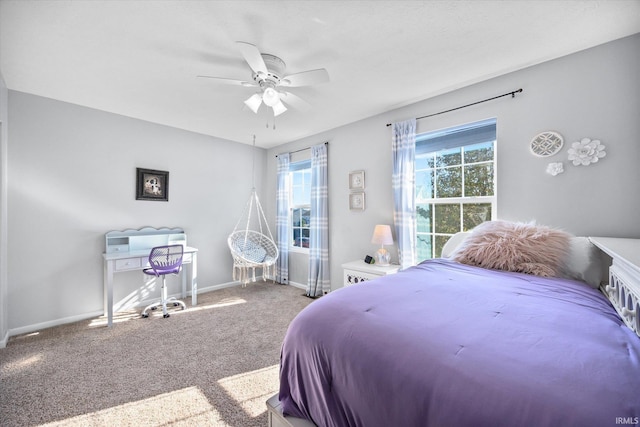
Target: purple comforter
{"type": "Point", "coordinates": [446, 344]}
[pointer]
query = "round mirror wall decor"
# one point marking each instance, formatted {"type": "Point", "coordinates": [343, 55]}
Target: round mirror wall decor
{"type": "Point", "coordinates": [546, 144]}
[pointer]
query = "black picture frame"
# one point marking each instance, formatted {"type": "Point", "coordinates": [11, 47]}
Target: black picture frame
{"type": "Point", "coordinates": [152, 184]}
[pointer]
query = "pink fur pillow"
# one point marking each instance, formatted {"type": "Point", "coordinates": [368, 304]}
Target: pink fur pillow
{"type": "Point", "coordinates": [512, 246]}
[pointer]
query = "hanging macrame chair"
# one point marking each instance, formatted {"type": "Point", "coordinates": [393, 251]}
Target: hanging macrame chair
{"type": "Point", "coordinates": [250, 247]}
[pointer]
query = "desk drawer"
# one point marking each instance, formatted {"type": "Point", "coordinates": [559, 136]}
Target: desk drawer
{"type": "Point", "coordinates": [128, 264]}
{"type": "Point", "coordinates": [117, 248]}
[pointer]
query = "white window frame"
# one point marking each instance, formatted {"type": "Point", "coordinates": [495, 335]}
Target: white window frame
{"type": "Point", "coordinates": [292, 207]}
{"type": "Point", "coordinates": [492, 200]}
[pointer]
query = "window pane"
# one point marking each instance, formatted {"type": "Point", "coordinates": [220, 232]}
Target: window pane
{"type": "Point", "coordinates": [479, 153]}
{"type": "Point", "coordinates": [307, 185]}
{"type": "Point", "coordinates": [298, 196]}
{"type": "Point", "coordinates": [474, 214]}
{"type": "Point", "coordinates": [424, 184]}
{"type": "Point", "coordinates": [440, 241]}
{"type": "Point", "coordinates": [424, 161]}
{"type": "Point", "coordinates": [305, 217]}
{"type": "Point", "coordinates": [449, 157]}
{"type": "Point", "coordinates": [423, 246]}
{"type": "Point", "coordinates": [449, 182]}
{"type": "Point", "coordinates": [302, 240]}
{"type": "Point", "coordinates": [423, 219]}
{"type": "Point", "coordinates": [478, 180]}
{"type": "Point", "coordinates": [301, 187]}
{"type": "Point", "coordinates": [295, 217]}
{"type": "Point", "coordinates": [447, 218]}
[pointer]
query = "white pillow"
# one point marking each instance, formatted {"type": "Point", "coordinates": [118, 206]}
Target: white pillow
{"type": "Point", "coordinates": [453, 243]}
{"type": "Point", "coordinates": [584, 262]}
{"type": "Point", "coordinates": [251, 251]}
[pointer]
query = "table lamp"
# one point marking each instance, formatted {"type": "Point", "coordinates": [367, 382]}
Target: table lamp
{"type": "Point", "coordinates": [382, 236]}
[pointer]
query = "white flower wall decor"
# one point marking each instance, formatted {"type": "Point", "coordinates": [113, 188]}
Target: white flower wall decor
{"type": "Point", "coordinates": [586, 151]}
{"type": "Point", "coordinates": [555, 168]}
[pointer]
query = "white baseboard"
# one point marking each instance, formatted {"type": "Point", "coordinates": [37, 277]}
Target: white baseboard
{"type": "Point", "coordinates": [298, 285]}
{"type": "Point", "coordinates": [215, 287]}
{"type": "Point", "coordinates": [57, 322]}
{"type": "Point", "coordinates": [5, 340]}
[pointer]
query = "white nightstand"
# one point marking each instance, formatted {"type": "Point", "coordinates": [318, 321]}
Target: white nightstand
{"type": "Point", "coordinates": [359, 271]}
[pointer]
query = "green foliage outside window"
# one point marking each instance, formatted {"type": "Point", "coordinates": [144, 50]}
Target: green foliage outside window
{"type": "Point", "coordinates": [454, 192]}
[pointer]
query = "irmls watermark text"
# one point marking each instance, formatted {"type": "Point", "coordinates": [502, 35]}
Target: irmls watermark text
{"type": "Point", "coordinates": [629, 421]}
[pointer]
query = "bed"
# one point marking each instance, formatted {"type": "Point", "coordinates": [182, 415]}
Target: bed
{"type": "Point", "coordinates": [452, 343]}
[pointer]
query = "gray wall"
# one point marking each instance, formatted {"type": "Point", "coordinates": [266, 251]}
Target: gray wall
{"type": "Point", "coordinates": [594, 94]}
{"type": "Point", "coordinates": [4, 300]}
{"type": "Point", "coordinates": [71, 178]}
{"type": "Point", "coordinates": [72, 173]}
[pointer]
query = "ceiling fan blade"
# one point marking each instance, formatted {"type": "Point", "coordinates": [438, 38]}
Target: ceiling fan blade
{"type": "Point", "coordinates": [230, 81]}
{"type": "Point", "coordinates": [253, 57]}
{"type": "Point", "coordinates": [306, 78]}
{"type": "Point", "coordinates": [295, 101]}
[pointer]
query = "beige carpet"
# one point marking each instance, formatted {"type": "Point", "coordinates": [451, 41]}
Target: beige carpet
{"type": "Point", "coordinates": [214, 364]}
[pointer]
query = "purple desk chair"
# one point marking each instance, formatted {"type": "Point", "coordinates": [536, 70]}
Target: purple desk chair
{"type": "Point", "coordinates": [164, 260]}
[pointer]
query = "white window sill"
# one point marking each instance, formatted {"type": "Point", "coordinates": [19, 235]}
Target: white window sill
{"type": "Point", "coordinates": [298, 250]}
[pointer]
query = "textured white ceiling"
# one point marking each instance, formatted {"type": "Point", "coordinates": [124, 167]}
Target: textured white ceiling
{"type": "Point", "coordinates": [141, 58]}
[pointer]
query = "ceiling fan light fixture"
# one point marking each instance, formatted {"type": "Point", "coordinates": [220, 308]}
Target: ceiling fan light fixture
{"type": "Point", "coordinates": [270, 97]}
{"type": "Point", "coordinates": [278, 108]}
{"type": "Point", "coordinates": [254, 102]}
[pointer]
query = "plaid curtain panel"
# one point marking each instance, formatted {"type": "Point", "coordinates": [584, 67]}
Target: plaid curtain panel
{"type": "Point", "coordinates": [319, 275]}
{"type": "Point", "coordinates": [404, 183]}
{"type": "Point", "coordinates": [282, 219]}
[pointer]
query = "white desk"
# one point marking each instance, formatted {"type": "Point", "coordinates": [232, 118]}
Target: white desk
{"type": "Point", "coordinates": [129, 250]}
{"type": "Point", "coordinates": [137, 260]}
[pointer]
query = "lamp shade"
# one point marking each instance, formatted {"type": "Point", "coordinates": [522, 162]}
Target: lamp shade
{"type": "Point", "coordinates": [254, 102]}
{"type": "Point", "coordinates": [278, 108]}
{"type": "Point", "coordinates": [382, 235]}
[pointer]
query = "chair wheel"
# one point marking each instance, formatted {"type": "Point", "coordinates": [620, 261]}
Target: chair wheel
{"type": "Point", "coordinates": [144, 316]}
{"type": "Point", "coordinates": [166, 315]}
{"type": "Point", "coordinates": [175, 304]}
{"type": "Point", "coordinates": [154, 308]}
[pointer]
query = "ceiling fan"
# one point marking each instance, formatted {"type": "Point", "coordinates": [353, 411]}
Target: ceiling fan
{"type": "Point", "coordinates": [268, 75]}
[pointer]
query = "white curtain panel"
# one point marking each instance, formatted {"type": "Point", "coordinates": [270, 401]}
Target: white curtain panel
{"type": "Point", "coordinates": [404, 183]}
{"type": "Point", "coordinates": [282, 219]}
{"type": "Point", "coordinates": [319, 275]}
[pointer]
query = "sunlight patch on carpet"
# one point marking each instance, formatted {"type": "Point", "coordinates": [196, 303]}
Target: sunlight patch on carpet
{"type": "Point", "coordinates": [118, 317]}
{"type": "Point", "coordinates": [124, 316]}
{"type": "Point", "coordinates": [21, 364]}
{"type": "Point", "coordinates": [224, 303]}
{"type": "Point", "coordinates": [252, 389]}
{"type": "Point", "coordinates": [185, 407]}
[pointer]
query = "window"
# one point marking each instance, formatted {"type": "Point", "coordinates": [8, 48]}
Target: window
{"type": "Point", "coordinates": [455, 183]}
{"type": "Point", "coordinates": [300, 203]}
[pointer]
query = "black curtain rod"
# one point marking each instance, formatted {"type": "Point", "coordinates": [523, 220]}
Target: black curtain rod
{"type": "Point", "coordinates": [513, 94]}
{"type": "Point", "coordinates": [302, 149]}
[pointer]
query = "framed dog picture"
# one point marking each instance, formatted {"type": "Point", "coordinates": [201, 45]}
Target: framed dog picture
{"type": "Point", "coordinates": [152, 185]}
